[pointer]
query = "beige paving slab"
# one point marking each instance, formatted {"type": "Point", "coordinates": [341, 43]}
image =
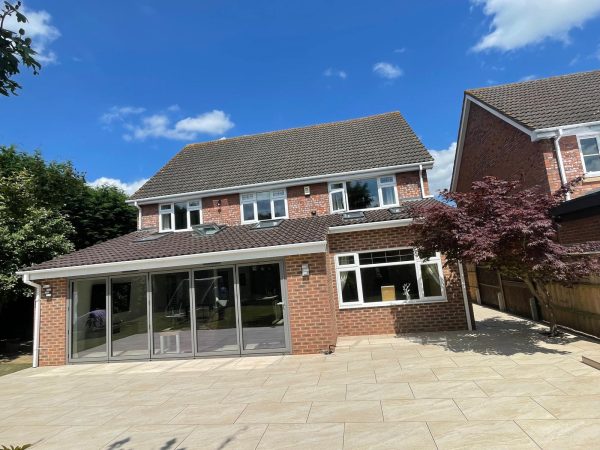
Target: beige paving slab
{"type": "Point", "coordinates": [347, 411]}
{"type": "Point", "coordinates": [329, 392]}
{"type": "Point", "coordinates": [255, 394]}
{"type": "Point", "coordinates": [373, 364]}
{"type": "Point", "coordinates": [466, 373]}
{"type": "Point", "coordinates": [393, 375]}
{"type": "Point", "coordinates": [89, 436]}
{"type": "Point", "coordinates": [489, 435]}
{"type": "Point", "coordinates": [502, 408]}
{"type": "Point", "coordinates": [482, 360]}
{"type": "Point", "coordinates": [286, 412]}
{"type": "Point", "coordinates": [533, 371]}
{"type": "Point", "coordinates": [35, 416]}
{"type": "Point", "coordinates": [428, 363]}
{"type": "Point", "coordinates": [328, 436]}
{"type": "Point", "coordinates": [571, 407]}
{"type": "Point", "coordinates": [446, 389]}
{"type": "Point", "coordinates": [28, 434]}
{"type": "Point", "coordinates": [379, 391]}
{"type": "Point", "coordinates": [151, 437]}
{"type": "Point", "coordinates": [296, 379]}
{"type": "Point", "coordinates": [218, 437]}
{"type": "Point", "coordinates": [208, 414]}
{"type": "Point", "coordinates": [563, 434]}
{"type": "Point", "coordinates": [384, 436]}
{"type": "Point", "coordinates": [518, 387]}
{"type": "Point", "coordinates": [147, 415]}
{"type": "Point", "coordinates": [420, 410]}
{"type": "Point", "coordinates": [240, 381]}
{"type": "Point", "coordinates": [86, 415]}
{"type": "Point", "coordinates": [577, 385]}
{"type": "Point", "coordinates": [396, 354]}
{"type": "Point", "coordinates": [347, 378]}
{"type": "Point", "coordinates": [197, 396]}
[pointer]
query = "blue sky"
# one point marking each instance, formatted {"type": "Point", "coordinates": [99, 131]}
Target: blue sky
{"type": "Point", "coordinates": [125, 85]}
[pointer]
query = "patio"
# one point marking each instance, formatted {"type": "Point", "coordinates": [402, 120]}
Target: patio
{"type": "Point", "coordinates": [504, 385]}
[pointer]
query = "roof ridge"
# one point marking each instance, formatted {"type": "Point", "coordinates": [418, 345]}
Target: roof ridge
{"type": "Point", "coordinates": [537, 80]}
{"type": "Point", "coordinates": [318, 125]}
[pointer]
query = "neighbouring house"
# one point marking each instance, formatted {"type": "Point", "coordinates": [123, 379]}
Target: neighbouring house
{"type": "Point", "coordinates": [544, 133]}
{"type": "Point", "coordinates": [272, 243]}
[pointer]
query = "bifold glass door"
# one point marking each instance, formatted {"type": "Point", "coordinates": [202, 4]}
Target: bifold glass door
{"type": "Point", "coordinates": [226, 310]}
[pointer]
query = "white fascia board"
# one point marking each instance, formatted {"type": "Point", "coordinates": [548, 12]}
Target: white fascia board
{"type": "Point", "coordinates": [461, 139]}
{"type": "Point", "coordinates": [285, 183]}
{"type": "Point", "coordinates": [567, 130]}
{"type": "Point", "coordinates": [369, 226]}
{"type": "Point", "coordinates": [179, 261]}
{"type": "Point", "coordinates": [508, 120]}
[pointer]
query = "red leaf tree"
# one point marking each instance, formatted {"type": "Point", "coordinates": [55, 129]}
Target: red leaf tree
{"type": "Point", "coordinates": [501, 225]}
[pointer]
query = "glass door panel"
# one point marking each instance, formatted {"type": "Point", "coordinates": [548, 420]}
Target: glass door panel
{"type": "Point", "coordinates": [261, 307]}
{"type": "Point", "coordinates": [214, 293]}
{"type": "Point", "coordinates": [88, 319]}
{"type": "Point", "coordinates": [129, 316]}
{"type": "Point", "coordinates": [171, 322]}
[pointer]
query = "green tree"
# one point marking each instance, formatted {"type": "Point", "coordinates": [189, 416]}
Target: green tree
{"type": "Point", "coordinates": [15, 50]}
{"type": "Point", "coordinates": [29, 233]}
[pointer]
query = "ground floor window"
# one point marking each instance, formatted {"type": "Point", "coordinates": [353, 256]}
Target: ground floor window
{"type": "Point", "coordinates": [386, 277]}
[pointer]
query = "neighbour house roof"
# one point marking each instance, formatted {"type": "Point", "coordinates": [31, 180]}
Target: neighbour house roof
{"type": "Point", "coordinates": [378, 141]}
{"type": "Point", "coordinates": [133, 247]}
{"type": "Point", "coordinates": [548, 102]}
{"type": "Point", "coordinates": [588, 204]}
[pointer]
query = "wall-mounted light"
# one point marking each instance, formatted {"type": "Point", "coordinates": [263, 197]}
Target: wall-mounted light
{"type": "Point", "coordinates": [307, 190]}
{"type": "Point", "coordinates": [305, 270]}
{"type": "Point", "coordinates": [47, 289]}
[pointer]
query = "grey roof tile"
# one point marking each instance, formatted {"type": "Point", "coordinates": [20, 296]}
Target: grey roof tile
{"type": "Point", "coordinates": [547, 102]}
{"type": "Point", "coordinates": [377, 141]}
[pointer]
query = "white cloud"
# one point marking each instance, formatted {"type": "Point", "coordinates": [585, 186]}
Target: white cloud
{"type": "Point", "coordinates": [439, 177]}
{"type": "Point", "coordinates": [214, 122]}
{"type": "Point", "coordinates": [518, 23]}
{"type": "Point", "coordinates": [330, 72]}
{"type": "Point", "coordinates": [528, 78]}
{"type": "Point", "coordinates": [400, 50]}
{"type": "Point", "coordinates": [39, 29]}
{"type": "Point", "coordinates": [129, 188]}
{"type": "Point", "coordinates": [387, 70]}
{"type": "Point", "coordinates": [119, 113]}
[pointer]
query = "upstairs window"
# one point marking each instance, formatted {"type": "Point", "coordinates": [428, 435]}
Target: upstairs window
{"type": "Point", "coordinates": [590, 153]}
{"type": "Point", "coordinates": [180, 216]}
{"type": "Point", "coordinates": [367, 193]}
{"type": "Point", "coordinates": [269, 205]}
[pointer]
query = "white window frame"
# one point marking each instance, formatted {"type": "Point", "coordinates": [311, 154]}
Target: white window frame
{"type": "Point", "coordinates": [380, 186]}
{"type": "Point", "coordinates": [588, 136]}
{"type": "Point", "coordinates": [247, 198]}
{"type": "Point", "coordinates": [417, 263]}
{"type": "Point", "coordinates": [171, 211]}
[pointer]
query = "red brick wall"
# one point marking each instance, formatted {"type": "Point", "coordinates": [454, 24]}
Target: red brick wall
{"type": "Point", "coordinates": [225, 213]}
{"type": "Point", "coordinates": [312, 324]}
{"type": "Point", "coordinates": [149, 216]}
{"type": "Point", "coordinates": [441, 316]}
{"type": "Point", "coordinates": [493, 147]}
{"type": "Point", "coordinates": [53, 324]}
{"type": "Point", "coordinates": [300, 205]}
{"type": "Point", "coordinates": [408, 184]}
{"type": "Point", "coordinates": [571, 155]}
{"type": "Point", "coordinates": [583, 229]}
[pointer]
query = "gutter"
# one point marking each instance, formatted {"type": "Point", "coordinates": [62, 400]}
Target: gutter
{"type": "Point", "coordinates": [36, 318]}
{"type": "Point", "coordinates": [561, 167]}
{"type": "Point", "coordinates": [369, 226]}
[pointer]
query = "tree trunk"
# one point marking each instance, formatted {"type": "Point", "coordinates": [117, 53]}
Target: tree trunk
{"type": "Point", "coordinates": [540, 290]}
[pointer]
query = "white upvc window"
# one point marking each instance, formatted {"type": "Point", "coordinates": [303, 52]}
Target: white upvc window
{"type": "Point", "coordinates": [180, 216]}
{"type": "Point", "coordinates": [388, 277]}
{"type": "Point", "coordinates": [267, 205]}
{"type": "Point", "coordinates": [590, 153]}
{"type": "Point", "coordinates": [364, 193]}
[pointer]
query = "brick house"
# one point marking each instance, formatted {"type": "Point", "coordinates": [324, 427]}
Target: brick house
{"type": "Point", "coordinates": [272, 243]}
{"type": "Point", "coordinates": [544, 133]}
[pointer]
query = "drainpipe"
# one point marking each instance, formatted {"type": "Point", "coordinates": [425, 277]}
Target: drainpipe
{"type": "Point", "coordinates": [421, 180]}
{"type": "Point", "coordinates": [561, 167]}
{"type": "Point", "coordinates": [463, 285]}
{"type": "Point", "coordinates": [139, 208]}
{"type": "Point", "coordinates": [36, 318]}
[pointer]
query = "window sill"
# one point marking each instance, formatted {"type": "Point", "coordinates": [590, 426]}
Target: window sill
{"type": "Point", "coordinates": [591, 177]}
{"type": "Point", "coordinates": [393, 303]}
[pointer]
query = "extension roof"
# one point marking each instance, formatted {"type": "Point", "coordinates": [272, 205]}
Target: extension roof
{"type": "Point", "coordinates": [548, 102]}
{"type": "Point", "coordinates": [379, 141]}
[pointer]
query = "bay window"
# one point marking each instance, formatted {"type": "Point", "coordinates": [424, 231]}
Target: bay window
{"type": "Point", "coordinates": [590, 153]}
{"type": "Point", "coordinates": [269, 205]}
{"type": "Point", "coordinates": [367, 193]}
{"type": "Point", "coordinates": [385, 277]}
{"type": "Point", "coordinates": [180, 216]}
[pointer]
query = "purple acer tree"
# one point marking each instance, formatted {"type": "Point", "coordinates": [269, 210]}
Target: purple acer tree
{"type": "Point", "coordinates": [501, 225]}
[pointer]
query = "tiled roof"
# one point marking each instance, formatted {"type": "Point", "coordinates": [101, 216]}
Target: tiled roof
{"type": "Point", "coordinates": [293, 231]}
{"type": "Point", "coordinates": [377, 141]}
{"type": "Point", "coordinates": [548, 102]}
{"type": "Point", "coordinates": [589, 201]}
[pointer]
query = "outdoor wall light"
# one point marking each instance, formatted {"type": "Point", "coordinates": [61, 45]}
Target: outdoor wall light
{"type": "Point", "coordinates": [305, 270]}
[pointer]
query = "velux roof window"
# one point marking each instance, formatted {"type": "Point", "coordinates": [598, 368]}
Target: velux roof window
{"type": "Point", "coordinates": [207, 229]}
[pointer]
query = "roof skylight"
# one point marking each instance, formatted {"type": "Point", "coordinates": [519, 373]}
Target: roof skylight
{"type": "Point", "coordinates": [207, 229]}
{"type": "Point", "coordinates": [268, 223]}
{"type": "Point", "coordinates": [151, 237]}
{"type": "Point", "coordinates": [353, 215]}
